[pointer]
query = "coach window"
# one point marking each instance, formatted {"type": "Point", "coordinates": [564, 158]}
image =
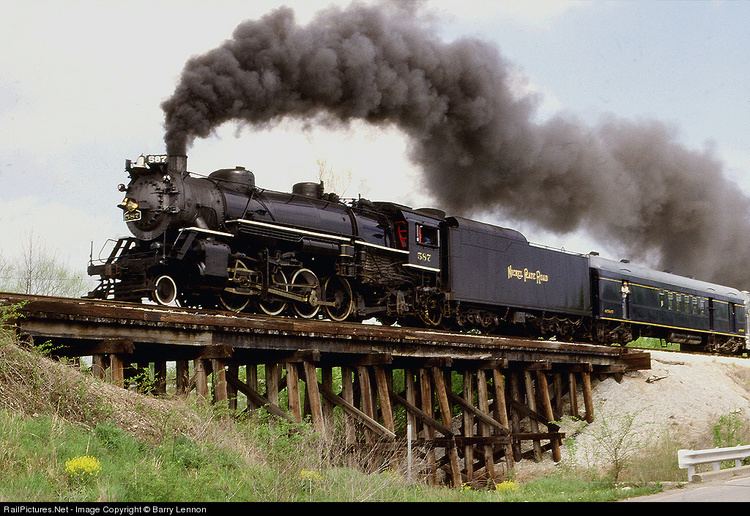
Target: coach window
{"type": "Point", "coordinates": [661, 299]}
{"type": "Point", "coordinates": [428, 236]}
{"type": "Point", "coordinates": [670, 301]}
{"type": "Point", "coordinates": [610, 292]}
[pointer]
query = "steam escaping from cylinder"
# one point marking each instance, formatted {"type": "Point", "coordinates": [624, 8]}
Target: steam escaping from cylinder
{"type": "Point", "coordinates": [628, 183]}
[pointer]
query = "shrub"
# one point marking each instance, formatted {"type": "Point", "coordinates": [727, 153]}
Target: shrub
{"type": "Point", "coordinates": [730, 430]}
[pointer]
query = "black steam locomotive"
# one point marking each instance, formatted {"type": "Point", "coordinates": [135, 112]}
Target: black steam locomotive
{"type": "Point", "coordinates": [220, 241]}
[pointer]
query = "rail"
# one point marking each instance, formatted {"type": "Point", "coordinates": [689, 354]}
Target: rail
{"type": "Point", "coordinates": [715, 456]}
{"type": "Point", "coordinates": [150, 328]}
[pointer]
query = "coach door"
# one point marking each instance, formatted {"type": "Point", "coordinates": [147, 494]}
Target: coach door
{"type": "Point", "coordinates": [625, 294]}
{"type": "Point", "coordinates": [740, 318]}
{"type": "Point", "coordinates": [721, 315]}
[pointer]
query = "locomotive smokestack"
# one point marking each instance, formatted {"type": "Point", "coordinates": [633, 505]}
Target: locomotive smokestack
{"type": "Point", "coordinates": [628, 183]}
{"type": "Point", "coordinates": [177, 163]}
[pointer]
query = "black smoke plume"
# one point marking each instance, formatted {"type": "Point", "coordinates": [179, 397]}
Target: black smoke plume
{"type": "Point", "coordinates": [630, 184]}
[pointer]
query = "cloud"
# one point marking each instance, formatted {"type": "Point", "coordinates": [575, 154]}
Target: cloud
{"type": "Point", "coordinates": [288, 153]}
{"type": "Point", "coordinates": [64, 230]}
{"type": "Point", "coordinates": [521, 86]}
{"type": "Point", "coordinates": [535, 13]}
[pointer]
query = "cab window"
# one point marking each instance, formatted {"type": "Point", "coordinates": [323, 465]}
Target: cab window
{"type": "Point", "coordinates": [427, 235]}
{"type": "Point", "coordinates": [401, 233]}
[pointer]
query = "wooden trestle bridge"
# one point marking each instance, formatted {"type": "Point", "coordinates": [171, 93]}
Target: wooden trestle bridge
{"type": "Point", "coordinates": [512, 389]}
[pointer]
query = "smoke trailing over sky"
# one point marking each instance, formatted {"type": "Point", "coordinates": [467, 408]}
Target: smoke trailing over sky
{"type": "Point", "coordinates": [627, 183]}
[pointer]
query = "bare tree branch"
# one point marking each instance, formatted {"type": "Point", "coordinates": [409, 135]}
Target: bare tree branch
{"type": "Point", "coordinates": [40, 272]}
{"type": "Point", "coordinates": [336, 182]}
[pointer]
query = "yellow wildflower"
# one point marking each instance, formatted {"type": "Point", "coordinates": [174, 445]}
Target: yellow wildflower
{"type": "Point", "coordinates": [506, 486]}
{"type": "Point", "coordinates": [82, 468]}
{"type": "Point", "coordinates": [310, 475]}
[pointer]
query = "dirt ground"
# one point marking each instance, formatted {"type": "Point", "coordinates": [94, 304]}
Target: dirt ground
{"type": "Point", "coordinates": [681, 398]}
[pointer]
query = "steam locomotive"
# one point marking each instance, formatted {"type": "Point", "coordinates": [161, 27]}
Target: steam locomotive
{"type": "Point", "coordinates": [219, 241]}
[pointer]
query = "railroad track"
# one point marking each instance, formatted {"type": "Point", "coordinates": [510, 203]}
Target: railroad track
{"type": "Point", "coordinates": [68, 319]}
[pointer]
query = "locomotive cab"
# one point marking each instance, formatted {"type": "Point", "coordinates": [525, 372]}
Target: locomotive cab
{"type": "Point", "coordinates": [418, 233]}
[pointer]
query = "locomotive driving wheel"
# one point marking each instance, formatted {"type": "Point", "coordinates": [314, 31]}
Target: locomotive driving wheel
{"type": "Point", "coordinates": [430, 313]}
{"type": "Point", "coordinates": [271, 306]}
{"type": "Point", "coordinates": [306, 283]}
{"type": "Point", "coordinates": [164, 291]}
{"type": "Point", "coordinates": [231, 300]}
{"type": "Point", "coordinates": [338, 291]}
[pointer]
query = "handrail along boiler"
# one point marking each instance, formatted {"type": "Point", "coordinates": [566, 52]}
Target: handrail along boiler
{"type": "Point", "coordinates": [221, 241]}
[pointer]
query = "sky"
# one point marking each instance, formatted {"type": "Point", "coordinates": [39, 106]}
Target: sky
{"type": "Point", "coordinates": [81, 83]}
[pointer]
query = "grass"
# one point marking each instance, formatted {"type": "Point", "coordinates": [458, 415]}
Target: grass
{"type": "Point", "coordinates": [652, 343]}
{"type": "Point", "coordinates": [656, 463]}
{"type": "Point", "coordinates": [34, 450]}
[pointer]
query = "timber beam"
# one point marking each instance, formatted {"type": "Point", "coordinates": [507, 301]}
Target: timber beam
{"type": "Point", "coordinates": [350, 409]}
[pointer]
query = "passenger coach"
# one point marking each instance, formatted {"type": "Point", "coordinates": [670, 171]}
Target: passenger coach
{"type": "Point", "coordinates": [658, 304]}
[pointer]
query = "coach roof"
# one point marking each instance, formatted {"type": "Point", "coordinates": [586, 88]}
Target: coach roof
{"type": "Point", "coordinates": [645, 274]}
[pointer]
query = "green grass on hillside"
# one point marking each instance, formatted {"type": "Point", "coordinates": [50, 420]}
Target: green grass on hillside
{"type": "Point", "coordinates": [34, 450]}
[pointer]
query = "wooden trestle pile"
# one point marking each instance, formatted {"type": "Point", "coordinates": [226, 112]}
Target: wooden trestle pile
{"type": "Point", "coordinates": [475, 404]}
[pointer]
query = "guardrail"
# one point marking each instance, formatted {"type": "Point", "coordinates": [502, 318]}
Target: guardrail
{"type": "Point", "coordinates": [714, 456]}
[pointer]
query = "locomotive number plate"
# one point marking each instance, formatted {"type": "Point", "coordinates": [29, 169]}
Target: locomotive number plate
{"type": "Point", "coordinates": [131, 216]}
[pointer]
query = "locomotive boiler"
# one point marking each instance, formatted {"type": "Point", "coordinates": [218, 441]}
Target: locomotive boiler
{"type": "Point", "coordinates": [221, 241]}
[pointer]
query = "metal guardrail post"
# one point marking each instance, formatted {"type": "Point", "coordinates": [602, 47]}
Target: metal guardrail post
{"type": "Point", "coordinates": [689, 459]}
